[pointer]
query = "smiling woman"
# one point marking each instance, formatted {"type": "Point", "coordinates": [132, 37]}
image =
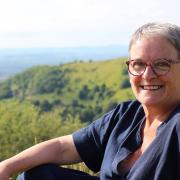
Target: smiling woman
{"type": "Point", "coordinates": [155, 67]}
{"type": "Point", "coordinates": [138, 140]}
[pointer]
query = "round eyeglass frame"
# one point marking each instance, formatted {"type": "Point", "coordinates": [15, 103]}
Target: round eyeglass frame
{"type": "Point", "coordinates": [170, 61]}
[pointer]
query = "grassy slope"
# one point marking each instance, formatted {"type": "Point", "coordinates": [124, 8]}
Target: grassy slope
{"type": "Point", "coordinates": [97, 73]}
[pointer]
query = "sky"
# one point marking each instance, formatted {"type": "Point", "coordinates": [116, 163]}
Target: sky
{"type": "Point", "coordinates": [76, 23]}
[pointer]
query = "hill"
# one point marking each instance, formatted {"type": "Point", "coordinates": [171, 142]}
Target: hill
{"type": "Point", "coordinates": [48, 101]}
{"type": "Point", "coordinates": [77, 85]}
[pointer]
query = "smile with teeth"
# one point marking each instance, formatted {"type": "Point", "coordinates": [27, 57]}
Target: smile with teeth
{"type": "Point", "coordinates": [151, 87]}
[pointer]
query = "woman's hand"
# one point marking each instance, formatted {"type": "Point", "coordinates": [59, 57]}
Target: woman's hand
{"type": "Point", "coordinates": [4, 175]}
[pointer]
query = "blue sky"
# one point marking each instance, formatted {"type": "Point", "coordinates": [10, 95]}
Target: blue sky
{"type": "Point", "coordinates": [69, 23]}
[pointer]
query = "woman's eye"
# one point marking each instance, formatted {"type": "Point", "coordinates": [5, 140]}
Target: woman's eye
{"type": "Point", "coordinates": [162, 65]}
{"type": "Point", "coordinates": [138, 64]}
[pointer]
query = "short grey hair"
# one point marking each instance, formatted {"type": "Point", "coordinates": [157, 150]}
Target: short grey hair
{"type": "Point", "coordinates": [171, 32]}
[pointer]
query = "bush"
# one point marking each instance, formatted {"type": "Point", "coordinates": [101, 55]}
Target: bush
{"type": "Point", "coordinates": [125, 84]}
{"type": "Point", "coordinates": [87, 115]}
{"type": "Point", "coordinates": [84, 92]}
{"type": "Point", "coordinates": [46, 106]}
{"type": "Point", "coordinates": [5, 91]}
{"type": "Point", "coordinates": [125, 71]}
{"type": "Point", "coordinates": [111, 106]}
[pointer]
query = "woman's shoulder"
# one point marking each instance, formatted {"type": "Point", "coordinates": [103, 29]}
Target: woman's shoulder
{"type": "Point", "coordinates": [125, 106]}
{"type": "Point", "coordinates": [125, 112]}
{"type": "Point", "coordinates": [129, 109]}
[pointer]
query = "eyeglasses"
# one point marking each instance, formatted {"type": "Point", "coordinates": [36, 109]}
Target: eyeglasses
{"type": "Point", "coordinates": [159, 66]}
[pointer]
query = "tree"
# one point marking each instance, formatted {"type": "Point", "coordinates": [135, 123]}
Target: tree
{"type": "Point", "coordinates": [45, 106]}
{"type": "Point", "coordinates": [125, 84]}
{"type": "Point", "coordinates": [87, 115]}
{"type": "Point", "coordinates": [5, 90]}
{"type": "Point", "coordinates": [84, 92]}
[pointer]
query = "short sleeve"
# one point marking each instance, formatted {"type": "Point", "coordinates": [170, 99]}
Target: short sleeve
{"type": "Point", "coordinates": [91, 141]}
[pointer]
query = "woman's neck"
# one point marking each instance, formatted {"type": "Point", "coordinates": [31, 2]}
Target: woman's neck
{"type": "Point", "coordinates": [157, 115]}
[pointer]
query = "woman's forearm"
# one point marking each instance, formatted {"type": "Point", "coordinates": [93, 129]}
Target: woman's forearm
{"type": "Point", "coordinates": [39, 154]}
{"type": "Point", "coordinates": [57, 151]}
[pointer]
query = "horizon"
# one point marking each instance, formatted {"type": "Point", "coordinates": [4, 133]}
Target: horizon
{"type": "Point", "coordinates": [90, 50]}
{"type": "Point", "coordinates": [66, 47]}
{"type": "Point", "coordinates": [16, 60]}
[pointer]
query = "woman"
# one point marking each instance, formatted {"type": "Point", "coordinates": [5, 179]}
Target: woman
{"type": "Point", "coordinates": [138, 140]}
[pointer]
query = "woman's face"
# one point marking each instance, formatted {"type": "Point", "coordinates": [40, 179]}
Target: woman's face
{"type": "Point", "coordinates": [150, 89]}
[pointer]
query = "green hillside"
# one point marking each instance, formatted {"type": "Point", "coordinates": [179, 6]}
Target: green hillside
{"type": "Point", "coordinates": [76, 84]}
{"type": "Point", "coordinates": [48, 101]}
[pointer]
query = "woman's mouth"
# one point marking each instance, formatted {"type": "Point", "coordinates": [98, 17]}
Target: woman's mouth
{"type": "Point", "coordinates": [151, 87]}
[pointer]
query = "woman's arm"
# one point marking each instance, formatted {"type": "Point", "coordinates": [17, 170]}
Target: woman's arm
{"type": "Point", "coordinates": [58, 151]}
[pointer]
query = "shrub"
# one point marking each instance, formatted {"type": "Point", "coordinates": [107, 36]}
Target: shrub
{"type": "Point", "coordinates": [125, 84]}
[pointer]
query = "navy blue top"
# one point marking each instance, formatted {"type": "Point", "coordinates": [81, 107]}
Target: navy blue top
{"type": "Point", "coordinates": [109, 140]}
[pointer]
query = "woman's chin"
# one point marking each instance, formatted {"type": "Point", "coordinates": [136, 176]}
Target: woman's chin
{"type": "Point", "coordinates": [150, 101]}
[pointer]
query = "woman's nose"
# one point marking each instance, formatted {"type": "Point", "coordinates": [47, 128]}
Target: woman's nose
{"type": "Point", "coordinates": [149, 72]}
